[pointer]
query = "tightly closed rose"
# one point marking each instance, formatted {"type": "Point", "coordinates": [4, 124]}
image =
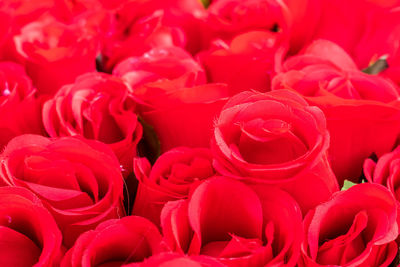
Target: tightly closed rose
{"type": "Point", "coordinates": [236, 225]}
{"type": "Point", "coordinates": [386, 172]}
{"type": "Point", "coordinates": [29, 236]}
{"type": "Point", "coordinates": [172, 177]}
{"type": "Point", "coordinates": [246, 62]}
{"type": "Point", "coordinates": [357, 227]}
{"type": "Point", "coordinates": [96, 106]}
{"type": "Point", "coordinates": [362, 110]}
{"type": "Point", "coordinates": [275, 138]}
{"type": "Point", "coordinates": [175, 259]}
{"type": "Point", "coordinates": [78, 180]}
{"type": "Point", "coordinates": [181, 114]}
{"type": "Point", "coordinates": [54, 53]}
{"type": "Point", "coordinates": [160, 63]}
{"type": "Point", "coordinates": [115, 242]}
{"type": "Point", "coordinates": [20, 107]}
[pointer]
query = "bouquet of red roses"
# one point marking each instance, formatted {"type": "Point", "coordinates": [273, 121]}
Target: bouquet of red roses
{"type": "Point", "coordinates": [199, 133]}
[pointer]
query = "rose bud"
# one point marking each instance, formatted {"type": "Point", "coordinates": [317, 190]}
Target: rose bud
{"type": "Point", "coordinates": [275, 138]}
{"type": "Point", "coordinates": [96, 106]}
{"type": "Point", "coordinates": [54, 53]}
{"type": "Point", "coordinates": [357, 227]}
{"type": "Point", "coordinates": [362, 110]}
{"type": "Point", "coordinates": [20, 108]}
{"type": "Point", "coordinates": [29, 236]}
{"type": "Point", "coordinates": [116, 242]}
{"type": "Point", "coordinates": [78, 180]}
{"type": "Point", "coordinates": [227, 220]}
{"type": "Point", "coordinates": [173, 176]}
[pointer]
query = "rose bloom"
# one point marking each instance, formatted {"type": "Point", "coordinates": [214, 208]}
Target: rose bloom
{"type": "Point", "coordinates": [138, 31]}
{"type": "Point", "coordinates": [341, 21]}
{"type": "Point", "coordinates": [20, 107]}
{"type": "Point", "coordinates": [78, 180]}
{"type": "Point", "coordinates": [246, 62]}
{"type": "Point", "coordinates": [275, 138]}
{"type": "Point", "coordinates": [228, 18]}
{"type": "Point", "coordinates": [172, 177]}
{"type": "Point", "coordinates": [96, 106]}
{"type": "Point", "coordinates": [54, 53]}
{"type": "Point", "coordinates": [29, 236]}
{"type": "Point", "coordinates": [146, 24]}
{"type": "Point", "coordinates": [157, 64]}
{"type": "Point", "coordinates": [362, 110]}
{"type": "Point", "coordinates": [386, 172]}
{"type": "Point", "coordinates": [180, 113]}
{"type": "Point", "coordinates": [238, 226]}
{"type": "Point", "coordinates": [357, 227]}
{"type": "Point", "coordinates": [115, 242]}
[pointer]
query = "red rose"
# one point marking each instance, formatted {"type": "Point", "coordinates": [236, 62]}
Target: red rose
{"type": "Point", "coordinates": [115, 243]}
{"type": "Point", "coordinates": [138, 30]}
{"type": "Point", "coordinates": [275, 138]}
{"type": "Point", "coordinates": [357, 227]}
{"type": "Point", "coordinates": [386, 172]}
{"type": "Point", "coordinates": [78, 180]}
{"type": "Point", "coordinates": [181, 114]}
{"type": "Point", "coordinates": [172, 177]}
{"type": "Point", "coordinates": [175, 259]}
{"type": "Point", "coordinates": [29, 236]}
{"type": "Point", "coordinates": [361, 112]}
{"type": "Point", "coordinates": [227, 18]}
{"type": "Point", "coordinates": [20, 108]}
{"type": "Point", "coordinates": [227, 220]}
{"type": "Point", "coordinates": [381, 25]}
{"type": "Point", "coordinates": [253, 55]}
{"type": "Point", "coordinates": [97, 107]}
{"type": "Point", "coordinates": [160, 63]}
{"type": "Point", "coordinates": [344, 22]}
{"type": "Point", "coordinates": [54, 53]}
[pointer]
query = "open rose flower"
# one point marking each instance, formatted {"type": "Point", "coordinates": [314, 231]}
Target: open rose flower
{"type": "Point", "coordinates": [54, 53]}
{"type": "Point", "coordinates": [386, 172]}
{"type": "Point", "coordinates": [246, 62]}
{"type": "Point", "coordinates": [362, 110]}
{"type": "Point", "coordinates": [227, 220]}
{"type": "Point", "coordinates": [275, 138]}
{"type": "Point", "coordinates": [115, 242]}
{"type": "Point", "coordinates": [29, 236]}
{"type": "Point", "coordinates": [78, 180]}
{"type": "Point", "coordinates": [158, 64]}
{"type": "Point", "coordinates": [172, 177]}
{"type": "Point", "coordinates": [357, 227]}
{"type": "Point", "coordinates": [96, 106]}
{"type": "Point", "coordinates": [20, 107]}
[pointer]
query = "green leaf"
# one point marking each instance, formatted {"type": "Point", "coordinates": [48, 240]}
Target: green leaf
{"type": "Point", "coordinates": [347, 184]}
{"type": "Point", "coordinates": [378, 66]}
{"type": "Point", "coordinates": [205, 3]}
